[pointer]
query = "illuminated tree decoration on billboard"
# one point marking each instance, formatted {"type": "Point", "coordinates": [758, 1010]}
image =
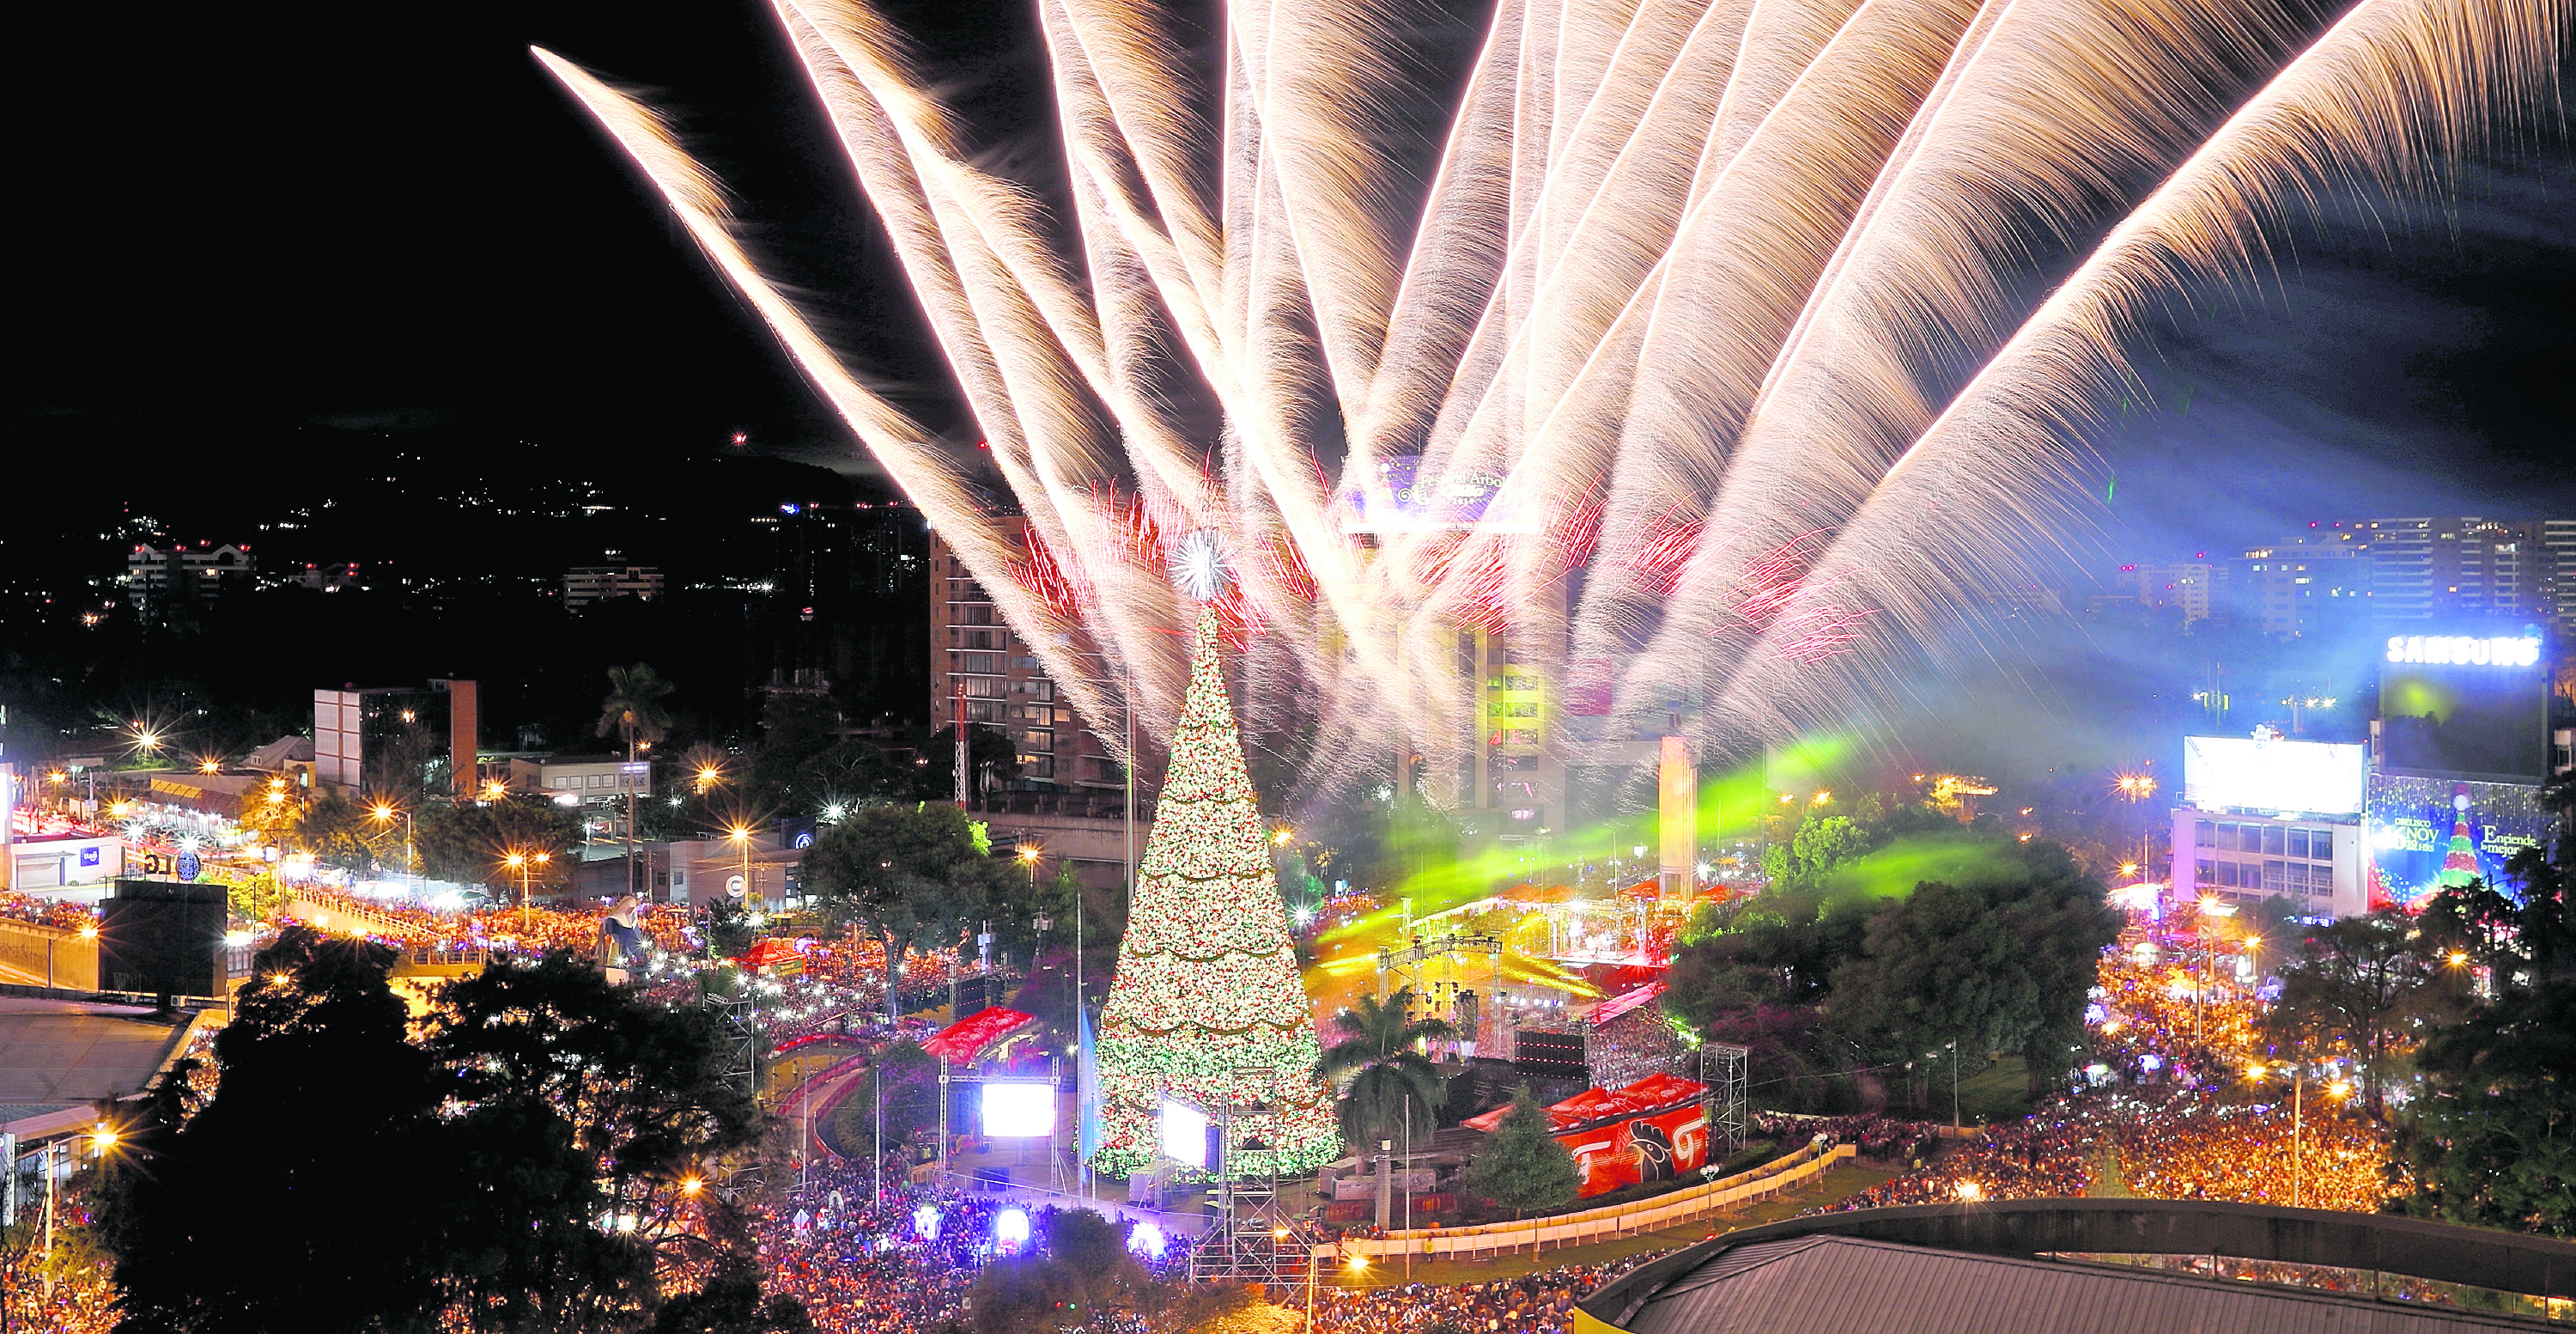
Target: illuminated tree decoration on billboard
{"type": "Point", "coordinates": [1207, 982]}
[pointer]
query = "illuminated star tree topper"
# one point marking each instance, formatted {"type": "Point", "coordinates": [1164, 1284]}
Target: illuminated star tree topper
{"type": "Point", "coordinates": [1199, 565]}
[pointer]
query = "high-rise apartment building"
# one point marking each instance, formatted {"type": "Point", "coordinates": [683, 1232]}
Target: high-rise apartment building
{"type": "Point", "coordinates": [158, 577]}
{"type": "Point", "coordinates": [835, 601]}
{"type": "Point", "coordinates": [2194, 587]}
{"type": "Point", "coordinates": [2301, 591]}
{"type": "Point", "coordinates": [2432, 567]}
{"type": "Point", "coordinates": [619, 578]}
{"type": "Point", "coordinates": [1006, 687]}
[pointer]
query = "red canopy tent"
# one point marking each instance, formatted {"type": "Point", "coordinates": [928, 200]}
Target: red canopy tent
{"type": "Point", "coordinates": [768, 953]}
{"type": "Point", "coordinates": [960, 1041]}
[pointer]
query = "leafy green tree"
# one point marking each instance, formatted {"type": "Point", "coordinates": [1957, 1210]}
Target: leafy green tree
{"type": "Point", "coordinates": [1822, 845]}
{"type": "Point", "coordinates": [907, 874]}
{"type": "Point", "coordinates": [336, 830]}
{"type": "Point", "coordinates": [2365, 984]}
{"type": "Point", "coordinates": [1999, 964]}
{"type": "Point", "coordinates": [633, 713]}
{"type": "Point", "coordinates": [2489, 1134]}
{"type": "Point", "coordinates": [2474, 924]}
{"type": "Point", "coordinates": [1378, 1053]}
{"type": "Point", "coordinates": [1523, 1167]}
{"type": "Point", "coordinates": [467, 841]}
{"type": "Point", "coordinates": [266, 1207]}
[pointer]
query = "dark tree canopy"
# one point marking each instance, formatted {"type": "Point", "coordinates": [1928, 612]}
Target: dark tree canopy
{"type": "Point", "coordinates": [468, 841]}
{"type": "Point", "coordinates": [1833, 968]}
{"type": "Point", "coordinates": [2493, 1133]}
{"type": "Point", "coordinates": [351, 1173]}
{"type": "Point", "coordinates": [242, 1214]}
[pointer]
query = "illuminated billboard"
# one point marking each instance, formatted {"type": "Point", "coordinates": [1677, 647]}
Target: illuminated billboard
{"type": "Point", "coordinates": [1018, 1111]}
{"type": "Point", "coordinates": [1181, 1131]}
{"type": "Point", "coordinates": [2426, 834]}
{"type": "Point", "coordinates": [2465, 707]}
{"type": "Point", "coordinates": [2258, 774]}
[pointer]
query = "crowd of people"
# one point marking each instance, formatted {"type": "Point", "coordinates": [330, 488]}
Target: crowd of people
{"type": "Point", "coordinates": [2170, 1109]}
{"type": "Point", "coordinates": [1879, 1138]}
{"type": "Point", "coordinates": [1541, 1303]}
{"type": "Point", "coordinates": [46, 912]}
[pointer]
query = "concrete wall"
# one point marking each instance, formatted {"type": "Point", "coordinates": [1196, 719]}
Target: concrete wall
{"type": "Point", "coordinates": [51, 956]}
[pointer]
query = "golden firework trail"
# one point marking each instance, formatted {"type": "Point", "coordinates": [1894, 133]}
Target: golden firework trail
{"type": "Point", "coordinates": [1728, 307]}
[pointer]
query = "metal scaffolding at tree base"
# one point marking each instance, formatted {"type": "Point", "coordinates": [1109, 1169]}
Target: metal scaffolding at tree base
{"type": "Point", "coordinates": [1253, 1240]}
{"type": "Point", "coordinates": [1721, 1067]}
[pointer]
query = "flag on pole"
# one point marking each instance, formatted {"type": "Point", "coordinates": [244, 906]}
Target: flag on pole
{"type": "Point", "coordinates": [1087, 1112]}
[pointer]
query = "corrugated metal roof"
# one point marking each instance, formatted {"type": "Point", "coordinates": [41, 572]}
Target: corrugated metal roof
{"type": "Point", "coordinates": [1841, 1285]}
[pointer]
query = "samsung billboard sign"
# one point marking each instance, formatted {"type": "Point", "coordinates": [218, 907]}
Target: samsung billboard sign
{"type": "Point", "coordinates": [2465, 707]}
{"type": "Point", "coordinates": [2466, 650]}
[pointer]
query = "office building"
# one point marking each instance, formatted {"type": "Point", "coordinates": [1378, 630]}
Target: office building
{"type": "Point", "coordinates": [2266, 817]}
{"type": "Point", "coordinates": [395, 740]}
{"type": "Point", "coordinates": [584, 780]}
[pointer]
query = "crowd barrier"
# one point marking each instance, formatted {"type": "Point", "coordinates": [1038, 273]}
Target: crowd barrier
{"type": "Point", "coordinates": [350, 916]}
{"type": "Point", "coordinates": [1563, 1230]}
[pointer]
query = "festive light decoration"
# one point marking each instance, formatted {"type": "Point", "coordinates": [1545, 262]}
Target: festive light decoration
{"type": "Point", "coordinates": [1208, 1004]}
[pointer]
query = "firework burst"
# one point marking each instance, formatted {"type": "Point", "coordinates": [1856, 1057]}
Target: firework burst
{"type": "Point", "coordinates": [1730, 306]}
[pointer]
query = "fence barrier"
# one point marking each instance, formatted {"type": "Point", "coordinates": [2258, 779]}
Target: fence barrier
{"type": "Point", "coordinates": [1563, 1230]}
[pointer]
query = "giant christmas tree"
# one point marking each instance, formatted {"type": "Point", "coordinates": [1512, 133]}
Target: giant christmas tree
{"type": "Point", "coordinates": [1207, 1003]}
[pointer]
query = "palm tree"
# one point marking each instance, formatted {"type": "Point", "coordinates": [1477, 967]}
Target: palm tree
{"type": "Point", "coordinates": [633, 710]}
{"type": "Point", "coordinates": [1382, 1043]}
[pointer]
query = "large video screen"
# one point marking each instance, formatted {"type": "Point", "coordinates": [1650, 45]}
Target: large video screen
{"type": "Point", "coordinates": [1182, 1132]}
{"type": "Point", "coordinates": [1019, 1111]}
{"type": "Point", "coordinates": [2244, 773]}
{"type": "Point", "coordinates": [2465, 707]}
{"type": "Point", "coordinates": [2426, 834]}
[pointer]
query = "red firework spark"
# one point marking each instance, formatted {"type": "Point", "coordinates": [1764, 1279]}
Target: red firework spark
{"type": "Point", "coordinates": [1045, 578]}
{"type": "Point", "coordinates": [1658, 563]}
{"type": "Point", "coordinates": [1288, 570]}
{"type": "Point", "coordinates": [1577, 529]}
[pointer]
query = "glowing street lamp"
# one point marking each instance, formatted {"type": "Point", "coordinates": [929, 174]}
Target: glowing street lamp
{"type": "Point", "coordinates": [740, 837]}
{"type": "Point", "coordinates": [385, 811]}
{"type": "Point", "coordinates": [526, 864]}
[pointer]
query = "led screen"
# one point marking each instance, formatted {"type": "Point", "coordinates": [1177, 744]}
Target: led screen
{"type": "Point", "coordinates": [2465, 707]}
{"type": "Point", "coordinates": [1183, 1133]}
{"type": "Point", "coordinates": [2311, 777]}
{"type": "Point", "coordinates": [1019, 1111]}
{"type": "Point", "coordinates": [2426, 834]}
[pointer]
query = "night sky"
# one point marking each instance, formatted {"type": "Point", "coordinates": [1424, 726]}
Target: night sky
{"type": "Point", "coordinates": [236, 219]}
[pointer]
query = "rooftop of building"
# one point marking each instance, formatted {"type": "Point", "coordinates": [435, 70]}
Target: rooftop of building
{"type": "Point", "coordinates": [61, 1056]}
{"type": "Point", "coordinates": [2001, 1268]}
